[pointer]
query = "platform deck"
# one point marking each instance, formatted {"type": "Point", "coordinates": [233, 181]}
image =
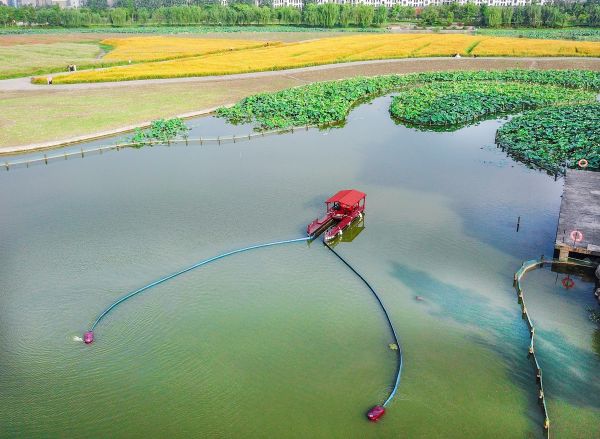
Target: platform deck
{"type": "Point", "coordinates": [579, 212]}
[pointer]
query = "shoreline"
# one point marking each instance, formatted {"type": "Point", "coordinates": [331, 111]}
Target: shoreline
{"type": "Point", "coordinates": [295, 77]}
{"type": "Point", "coordinates": [57, 144]}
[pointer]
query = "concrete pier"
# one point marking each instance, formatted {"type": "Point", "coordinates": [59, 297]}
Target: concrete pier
{"type": "Point", "coordinates": [578, 232]}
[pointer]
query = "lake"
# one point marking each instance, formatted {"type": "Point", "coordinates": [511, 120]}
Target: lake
{"type": "Point", "coordinates": [285, 341]}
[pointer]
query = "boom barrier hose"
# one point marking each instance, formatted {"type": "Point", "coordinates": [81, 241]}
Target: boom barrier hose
{"type": "Point", "coordinates": [89, 337]}
{"type": "Point", "coordinates": [391, 325]}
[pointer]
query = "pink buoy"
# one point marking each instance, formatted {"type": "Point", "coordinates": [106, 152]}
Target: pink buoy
{"type": "Point", "coordinates": [576, 236]}
{"type": "Point", "coordinates": [88, 337]}
{"type": "Point", "coordinates": [375, 413]}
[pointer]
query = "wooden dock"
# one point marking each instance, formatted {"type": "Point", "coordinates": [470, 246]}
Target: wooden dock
{"type": "Point", "coordinates": [578, 232]}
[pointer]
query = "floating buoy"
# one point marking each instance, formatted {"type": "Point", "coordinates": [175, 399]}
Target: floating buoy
{"type": "Point", "coordinates": [568, 283]}
{"type": "Point", "coordinates": [375, 413]}
{"type": "Point", "coordinates": [88, 337]}
{"type": "Point", "coordinates": [576, 236]}
{"type": "Point", "coordinates": [583, 163]}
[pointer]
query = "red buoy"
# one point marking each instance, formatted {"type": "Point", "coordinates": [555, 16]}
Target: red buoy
{"type": "Point", "coordinates": [88, 337]}
{"type": "Point", "coordinates": [375, 413]}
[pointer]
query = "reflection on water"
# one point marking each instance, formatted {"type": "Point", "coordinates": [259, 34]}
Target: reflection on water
{"type": "Point", "coordinates": [283, 342]}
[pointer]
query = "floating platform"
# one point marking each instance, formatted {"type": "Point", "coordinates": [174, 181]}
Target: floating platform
{"type": "Point", "coordinates": [578, 232]}
{"type": "Point", "coordinates": [341, 210]}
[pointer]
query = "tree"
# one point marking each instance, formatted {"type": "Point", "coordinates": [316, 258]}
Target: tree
{"type": "Point", "coordinates": [310, 14]}
{"type": "Point", "coordinates": [380, 15]}
{"type": "Point", "coordinates": [364, 15]}
{"type": "Point", "coordinates": [118, 17]}
{"type": "Point", "coordinates": [96, 5]}
{"type": "Point", "coordinates": [492, 16]}
{"type": "Point", "coordinates": [507, 16]}
{"type": "Point", "coordinates": [593, 18]}
{"type": "Point", "coordinates": [470, 13]}
{"type": "Point", "coordinates": [329, 14]}
{"type": "Point", "coordinates": [430, 16]}
{"type": "Point", "coordinates": [5, 15]}
{"type": "Point", "coordinates": [533, 14]}
{"type": "Point", "coordinates": [346, 15]}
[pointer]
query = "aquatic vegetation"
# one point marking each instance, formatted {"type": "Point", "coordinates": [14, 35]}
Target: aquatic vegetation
{"type": "Point", "coordinates": [582, 34]}
{"type": "Point", "coordinates": [161, 130]}
{"type": "Point", "coordinates": [326, 51]}
{"type": "Point", "coordinates": [553, 136]}
{"type": "Point", "coordinates": [329, 102]}
{"type": "Point", "coordinates": [455, 103]}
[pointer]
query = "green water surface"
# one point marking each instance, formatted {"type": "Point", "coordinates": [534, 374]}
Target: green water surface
{"type": "Point", "coordinates": [285, 342]}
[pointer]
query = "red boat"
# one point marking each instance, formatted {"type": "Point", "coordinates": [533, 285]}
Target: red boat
{"type": "Point", "coordinates": [342, 208]}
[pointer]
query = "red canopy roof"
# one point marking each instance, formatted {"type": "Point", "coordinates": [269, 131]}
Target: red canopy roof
{"type": "Point", "coordinates": [348, 197]}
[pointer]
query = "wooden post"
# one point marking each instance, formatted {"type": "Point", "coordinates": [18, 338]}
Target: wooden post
{"type": "Point", "coordinates": [82, 153]}
{"type": "Point", "coordinates": [563, 254]}
{"type": "Point", "coordinates": [46, 158]}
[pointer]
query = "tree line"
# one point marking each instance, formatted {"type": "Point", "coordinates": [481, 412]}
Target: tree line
{"type": "Point", "coordinates": [202, 12]}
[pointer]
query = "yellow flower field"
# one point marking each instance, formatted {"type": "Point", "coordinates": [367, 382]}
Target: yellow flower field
{"type": "Point", "coordinates": [160, 47]}
{"type": "Point", "coordinates": [317, 52]}
{"type": "Point", "coordinates": [500, 46]}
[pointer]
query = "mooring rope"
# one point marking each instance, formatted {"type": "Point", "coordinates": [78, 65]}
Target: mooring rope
{"type": "Point", "coordinates": [185, 270]}
{"type": "Point", "coordinates": [387, 316]}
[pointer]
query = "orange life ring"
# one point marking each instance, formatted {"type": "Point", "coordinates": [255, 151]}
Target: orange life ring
{"type": "Point", "coordinates": [576, 236]}
{"type": "Point", "coordinates": [583, 163]}
{"type": "Point", "coordinates": [568, 283]}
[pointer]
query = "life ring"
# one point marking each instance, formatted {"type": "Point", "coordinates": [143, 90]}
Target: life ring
{"type": "Point", "coordinates": [568, 283]}
{"type": "Point", "coordinates": [583, 163]}
{"type": "Point", "coordinates": [576, 236]}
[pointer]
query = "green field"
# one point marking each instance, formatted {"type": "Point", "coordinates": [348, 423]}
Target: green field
{"type": "Point", "coordinates": [32, 59]}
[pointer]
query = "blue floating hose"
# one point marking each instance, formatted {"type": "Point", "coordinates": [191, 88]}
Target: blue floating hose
{"type": "Point", "coordinates": [391, 325]}
{"type": "Point", "coordinates": [185, 270]}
